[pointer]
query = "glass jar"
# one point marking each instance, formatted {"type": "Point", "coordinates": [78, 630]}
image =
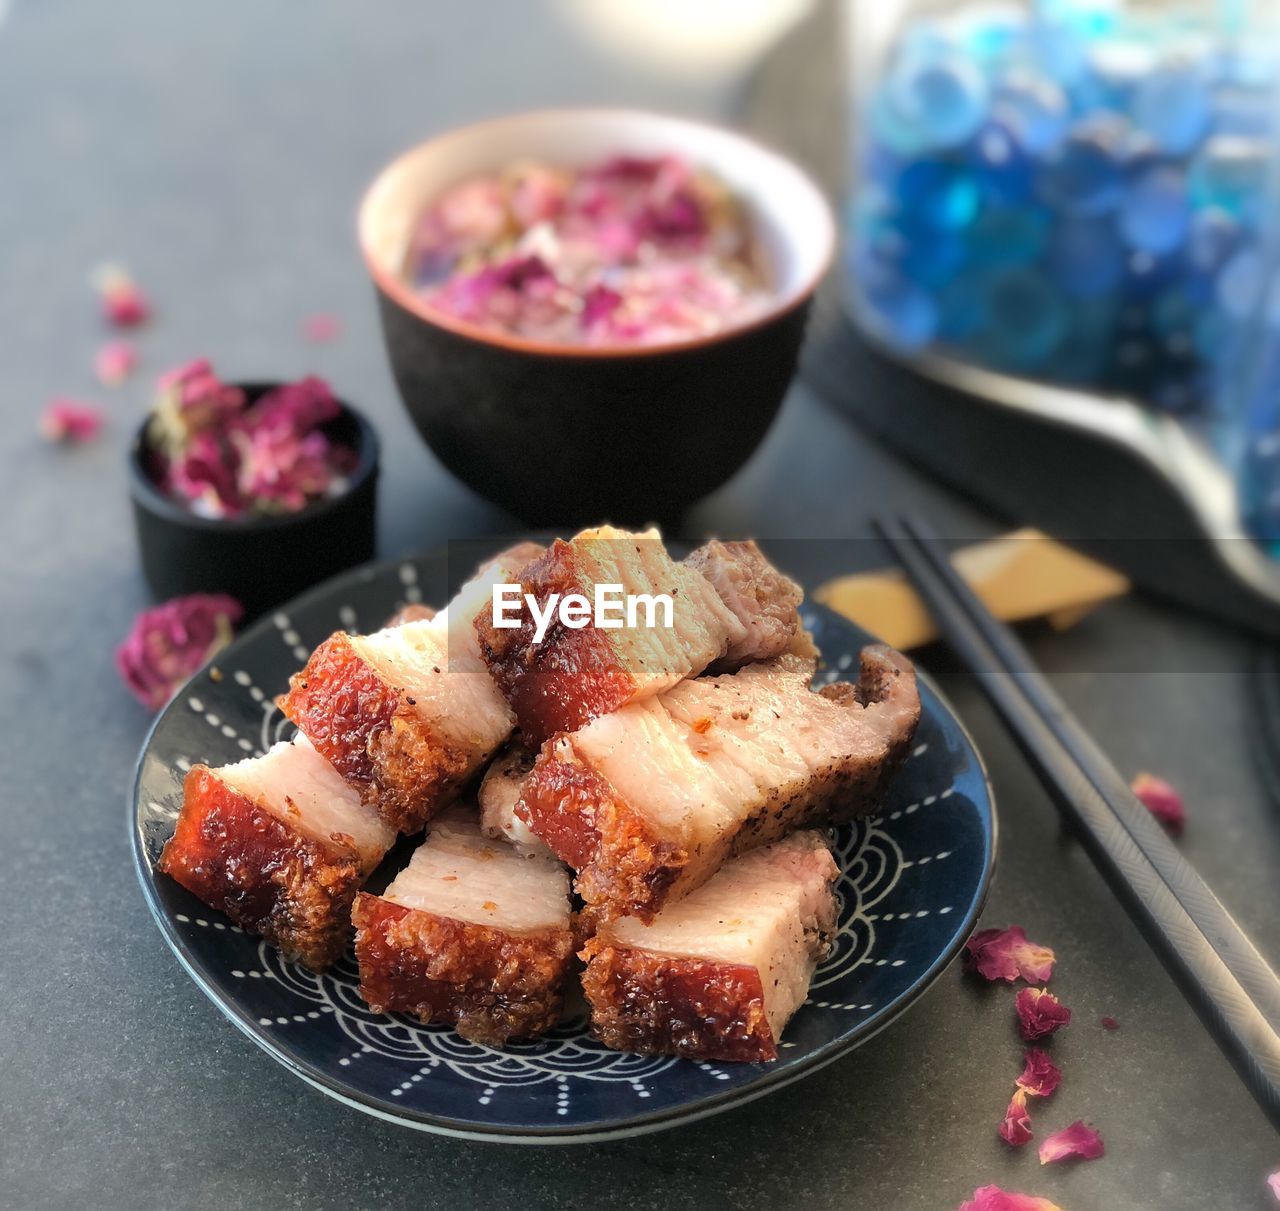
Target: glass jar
{"type": "Point", "coordinates": [1079, 192]}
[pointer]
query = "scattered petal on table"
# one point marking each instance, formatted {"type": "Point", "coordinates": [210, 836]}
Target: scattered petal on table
{"type": "Point", "coordinates": [992, 1198]}
{"type": "Point", "coordinates": [1040, 1076]}
{"type": "Point", "coordinates": [321, 328]}
{"type": "Point", "coordinates": [170, 642]}
{"type": "Point", "coordinates": [115, 361]}
{"type": "Point", "coordinates": [1077, 1142]}
{"type": "Point", "coordinates": [123, 303]}
{"type": "Point", "coordinates": [1006, 954]}
{"type": "Point", "coordinates": [1162, 801]}
{"type": "Point", "coordinates": [69, 420]}
{"type": "Point", "coordinates": [1015, 1127]}
{"type": "Point", "coordinates": [1040, 1013]}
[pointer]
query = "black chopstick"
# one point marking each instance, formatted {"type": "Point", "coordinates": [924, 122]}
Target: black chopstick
{"type": "Point", "coordinates": [1213, 961]}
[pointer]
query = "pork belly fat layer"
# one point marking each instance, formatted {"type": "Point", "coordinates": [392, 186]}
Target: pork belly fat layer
{"type": "Point", "coordinates": [572, 676]}
{"type": "Point", "coordinates": [300, 788]}
{"type": "Point", "coordinates": [500, 792]}
{"type": "Point", "coordinates": [281, 845]}
{"type": "Point", "coordinates": [762, 599]}
{"type": "Point", "coordinates": [648, 802]}
{"type": "Point", "coordinates": [459, 872]}
{"type": "Point", "coordinates": [718, 975]}
{"type": "Point", "coordinates": [408, 713]}
{"type": "Point", "coordinates": [471, 933]}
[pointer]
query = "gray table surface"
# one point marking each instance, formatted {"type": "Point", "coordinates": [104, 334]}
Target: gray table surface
{"type": "Point", "coordinates": [219, 150]}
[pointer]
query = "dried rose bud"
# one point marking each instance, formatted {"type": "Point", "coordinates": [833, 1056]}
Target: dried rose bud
{"type": "Point", "coordinates": [297, 408]}
{"type": "Point", "coordinates": [992, 1198]}
{"type": "Point", "coordinates": [191, 399]}
{"type": "Point", "coordinates": [115, 361]}
{"type": "Point", "coordinates": [1005, 954]}
{"type": "Point", "coordinates": [280, 472]}
{"type": "Point", "coordinates": [204, 478]}
{"type": "Point", "coordinates": [68, 420]}
{"type": "Point", "coordinates": [123, 303]}
{"type": "Point", "coordinates": [1039, 1013]}
{"type": "Point", "coordinates": [170, 642]}
{"type": "Point", "coordinates": [1015, 1127]}
{"type": "Point", "coordinates": [321, 328]}
{"type": "Point", "coordinates": [1162, 801]}
{"type": "Point", "coordinates": [1071, 1143]}
{"type": "Point", "coordinates": [1109, 1023]}
{"type": "Point", "coordinates": [1040, 1075]}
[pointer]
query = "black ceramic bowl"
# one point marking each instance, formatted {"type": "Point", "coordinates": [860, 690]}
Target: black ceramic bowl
{"type": "Point", "coordinates": [558, 433]}
{"type": "Point", "coordinates": [259, 561]}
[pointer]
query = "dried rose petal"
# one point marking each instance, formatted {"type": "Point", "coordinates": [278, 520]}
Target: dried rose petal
{"type": "Point", "coordinates": [115, 361]}
{"type": "Point", "coordinates": [1005, 954]}
{"type": "Point", "coordinates": [123, 303]}
{"type": "Point", "coordinates": [1109, 1023]}
{"type": "Point", "coordinates": [1039, 1012]}
{"type": "Point", "coordinates": [1274, 1182]}
{"type": "Point", "coordinates": [297, 408]}
{"type": "Point", "coordinates": [598, 304]}
{"type": "Point", "coordinates": [637, 250]}
{"type": "Point", "coordinates": [1162, 801]}
{"type": "Point", "coordinates": [1076, 1141]}
{"type": "Point", "coordinates": [202, 475]}
{"type": "Point", "coordinates": [280, 471]}
{"type": "Point", "coordinates": [992, 1198]}
{"type": "Point", "coordinates": [69, 420]}
{"type": "Point", "coordinates": [192, 398]}
{"type": "Point", "coordinates": [171, 641]}
{"type": "Point", "coordinates": [1040, 1075]}
{"type": "Point", "coordinates": [321, 328]}
{"type": "Point", "coordinates": [1015, 1127]}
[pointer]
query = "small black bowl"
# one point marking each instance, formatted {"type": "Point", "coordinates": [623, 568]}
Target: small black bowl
{"type": "Point", "coordinates": [260, 561]}
{"type": "Point", "coordinates": [559, 433]}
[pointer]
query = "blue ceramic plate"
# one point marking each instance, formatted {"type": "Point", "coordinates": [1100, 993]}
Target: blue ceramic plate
{"type": "Point", "coordinates": [914, 880]}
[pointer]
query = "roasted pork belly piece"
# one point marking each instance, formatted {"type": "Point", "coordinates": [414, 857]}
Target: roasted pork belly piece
{"type": "Point", "coordinates": [500, 792]}
{"type": "Point", "coordinates": [281, 844]}
{"type": "Point", "coordinates": [646, 803]}
{"type": "Point", "coordinates": [573, 675]}
{"type": "Point", "coordinates": [410, 612]}
{"type": "Point", "coordinates": [762, 599]}
{"type": "Point", "coordinates": [408, 714]}
{"type": "Point", "coordinates": [472, 932]}
{"type": "Point", "coordinates": [717, 975]}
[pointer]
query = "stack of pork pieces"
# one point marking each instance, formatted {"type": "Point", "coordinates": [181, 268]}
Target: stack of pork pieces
{"type": "Point", "coordinates": [652, 800]}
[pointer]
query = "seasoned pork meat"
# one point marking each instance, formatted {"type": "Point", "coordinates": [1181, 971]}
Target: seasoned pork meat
{"type": "Point", "coordinates": [281, 844]}
{"type": "Point", "coordinates": [411, 612]}
{"type": "Point", "coordinates": [471, 932]}
{"type": "Point", "coordinates": [408, 714]}
{"type": "Point", "coordinates": [646, 803]}
{"type": "Point", "coordinates": [500, 792]}
{"type": "Point", "coordinates": [573, 675]}
{"type": "Point", "coordinates": [718, 975]}
{"type": "Point", "coordinates": [761, 598]}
